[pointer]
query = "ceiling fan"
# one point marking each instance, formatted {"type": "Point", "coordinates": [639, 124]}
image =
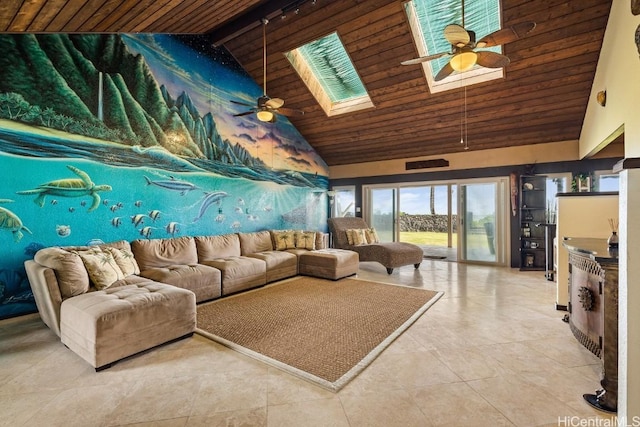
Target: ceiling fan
{"type": "Point", "coordinates": [463, 44]}
{"type": "Point", "coordinates": [266, 108]}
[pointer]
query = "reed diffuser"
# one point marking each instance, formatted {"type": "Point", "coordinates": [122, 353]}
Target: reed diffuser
{"type": "Point", "coordinates": [613, 239]}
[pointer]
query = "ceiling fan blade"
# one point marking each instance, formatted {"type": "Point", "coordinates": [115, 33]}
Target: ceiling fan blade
{"type": "Point", "coordinates": [246, 113]}
{"type": "Point", "coordinates": [446, 71]}
{"type": "Point", "coordinates": [456, 35]}
{"type": "Point", "coordinates": [506, 35]}
{"type": "Point", "coordinates": [241, 103]}
{"type": "Point", "coordinates": [425, 58]}
{"type": "Point", "coordinates": [289, 112]}
{"type": "Point", "coordinates": [490, 59]}
{"type": "Point", "coordinates": [274, 103]}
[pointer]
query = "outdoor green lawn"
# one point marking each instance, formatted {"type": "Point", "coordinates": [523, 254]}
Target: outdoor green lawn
{"type": "Point", "coordinates": [426, 238]}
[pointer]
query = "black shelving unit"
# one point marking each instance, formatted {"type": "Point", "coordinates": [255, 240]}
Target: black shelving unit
{"type": "Point", "coordinates": [533, 209]}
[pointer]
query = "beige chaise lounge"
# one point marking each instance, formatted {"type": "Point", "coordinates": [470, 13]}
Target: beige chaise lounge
{"type": "Point", "coordinates": [389, 254]}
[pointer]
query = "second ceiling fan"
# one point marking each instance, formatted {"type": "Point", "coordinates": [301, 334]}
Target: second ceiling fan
{"type": "Point", "coordinates": [464, 55]}
{"type": "Point", "coordinates": [267, 108]}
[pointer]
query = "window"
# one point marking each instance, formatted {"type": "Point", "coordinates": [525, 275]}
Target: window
{"type": "Point", "coordinates": [428, 18]}
{"type": "Point", "coordinates": [327, 70]}
{"type": "Point", "coordinates": [343, 201]}
{"type": "Point", "coordinates": [606, 181]}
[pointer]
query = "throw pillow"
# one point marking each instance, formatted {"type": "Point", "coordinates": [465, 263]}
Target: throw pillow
{"type": "Point", "coordinates": [284, 240]}
{"type": "Point", "coordinates": [102, 268]}
{"type": "Point", "coordinates": [356, 236]}
{"type": "Point", "coordinates": [305, 240]}
{"type": "Point", "coordinates": [125, 260]}
{"type": "Point", "coordinates": [372, 235]}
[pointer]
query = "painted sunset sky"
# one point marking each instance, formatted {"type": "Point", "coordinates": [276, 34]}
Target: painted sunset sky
{"type": "Point", "coordinates": [279, 145]}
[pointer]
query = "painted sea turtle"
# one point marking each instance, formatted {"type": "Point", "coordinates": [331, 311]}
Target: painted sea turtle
{"type": "Point", "coordinates": [12, 222]}
{"type": "Point", "coordinates": [69, 187]}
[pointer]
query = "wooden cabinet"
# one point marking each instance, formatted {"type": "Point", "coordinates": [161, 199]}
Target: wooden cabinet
{"type": "Point", "coordinates": [533, 209]}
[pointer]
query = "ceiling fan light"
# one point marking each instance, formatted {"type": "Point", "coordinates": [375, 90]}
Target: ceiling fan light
{"type": "Point", "coordinates": [265, 116]}
{"type": "Point", "coordinates": [464, 61]}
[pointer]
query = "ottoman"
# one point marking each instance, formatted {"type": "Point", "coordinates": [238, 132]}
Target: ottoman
{"type": "Point", "coordinates": [108, 325]}
{"type": "Point", "coordinates": [328, 263]}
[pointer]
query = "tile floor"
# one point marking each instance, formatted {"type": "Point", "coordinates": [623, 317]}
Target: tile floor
{"type": "Point", "coordinates": [491, 352]}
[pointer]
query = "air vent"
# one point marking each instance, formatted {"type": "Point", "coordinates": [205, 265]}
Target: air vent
{"type": "Point", "coordinates": [426, 164]}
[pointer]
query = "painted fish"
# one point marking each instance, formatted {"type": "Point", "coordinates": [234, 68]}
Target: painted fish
{"type": "Point", "coordinates": [220, 218]}
{"type": "Point", "coordinates": [209, 199]}
{"type": "Point", "coordinates": [154, 214]}
{"type": "Point", "coordinates": [114, 208]}
{"type": "Point", "coordinates": [252, 217]}
{"type": "Point", "coordinates": [116, 222]}
{"type": "Point", "coordinates": [172, 228]}
{"type": "Point", "coordinates": [137, 219]}
{"type": "Point", "coordinates": [238, 210]}
{"type": "Point", "coordinates": [63, 230]}
{"type": "Point", "coordinates": [240, 201]}
{"type": "Point", "coordinates": [146, 232]}
{"type": "Point", "coordinates": [182, 187]}
{"type": "Point", "coordinates": [236, 225]}
{"type": "Point", "coordinates": [72, 209]}
{"type": "Point", "coordinates": [138, 203]}
{"type": "Point", "coordinates": [54, 202]}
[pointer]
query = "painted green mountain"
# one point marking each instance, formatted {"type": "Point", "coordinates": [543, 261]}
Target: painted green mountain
{"type": "Point", "coordinates": [53, 80]}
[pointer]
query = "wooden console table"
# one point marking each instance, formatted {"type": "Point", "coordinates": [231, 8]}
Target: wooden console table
{"type": "Point", "coordinates": [593, 310]}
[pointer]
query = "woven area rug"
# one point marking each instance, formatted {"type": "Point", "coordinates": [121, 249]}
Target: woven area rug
{"type": "Point", "coordinates": [321, 330]}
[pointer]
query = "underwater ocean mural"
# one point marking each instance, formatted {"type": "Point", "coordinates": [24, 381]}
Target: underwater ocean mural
{"type": "Point", "coordinates": [133, 136]}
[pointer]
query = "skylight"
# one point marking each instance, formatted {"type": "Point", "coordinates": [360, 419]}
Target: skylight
{"type": "Point", "coordinates": [428, 18]}
{"type": "Point", "coordinates": [327, 70]}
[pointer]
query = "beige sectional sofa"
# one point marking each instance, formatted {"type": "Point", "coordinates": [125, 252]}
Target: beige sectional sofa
{"type": "Point", "coordinates": [110, 301]}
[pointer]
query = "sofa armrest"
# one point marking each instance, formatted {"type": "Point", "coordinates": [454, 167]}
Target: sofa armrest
{"type": "Point", "coordinates": [46, 292]}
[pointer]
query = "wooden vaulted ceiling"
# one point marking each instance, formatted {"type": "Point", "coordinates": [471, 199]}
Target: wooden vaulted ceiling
{"type": "Point", "coordinates": [543, 97]}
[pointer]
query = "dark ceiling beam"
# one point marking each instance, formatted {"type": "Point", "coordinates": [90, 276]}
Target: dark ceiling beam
{"type": "Point", "coordinates": [251, 19]}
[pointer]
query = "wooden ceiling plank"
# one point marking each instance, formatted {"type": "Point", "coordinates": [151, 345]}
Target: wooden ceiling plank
{"type": "Point", "coordinates": [75, 23]}
{"type": "Point", "coordinates": [25, 15]}
{"type": "Point", "coordinates": [145, 23]}
{"type": "Point", "coordinates": [65, 15]}
{"type": "Point", "coordinates": [46, 15]}
{"type": "Point", "coordinates": [8, 11]}
{"type": "Point", "coordinates": [110, 22]}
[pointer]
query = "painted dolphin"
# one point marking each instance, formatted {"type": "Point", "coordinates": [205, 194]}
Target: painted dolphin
{"type": "Point", "coordinates": [172, 184]}
{"type": "Point", "coordinates": [209, 199]}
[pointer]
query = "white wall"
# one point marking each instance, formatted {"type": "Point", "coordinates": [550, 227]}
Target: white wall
{"type": "Point", "coordinates": [618, 73]}
{"type": "Point", "coordinates": [580, 216]}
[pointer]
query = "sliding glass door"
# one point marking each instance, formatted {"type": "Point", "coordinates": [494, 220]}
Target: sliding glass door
{"type": "Point", "coordinates": [383, 213]}
{"type": "Point", "coordinates": [442, 217]}
{"type": "Point", "coordinates": [483, 222]}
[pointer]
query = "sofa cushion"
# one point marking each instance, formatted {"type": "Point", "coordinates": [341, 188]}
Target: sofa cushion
{"type": "Point", "coordinates": [283, 239]}
{"type": "Point", "coordinates": [125, 260]}
{"type": "Point", "coordinates": [356, 236]}
{"type": "Point", "coordinates": [280, 264]}
{"type": "Point", "coordinates": [101, 266]}
{"type": "Point", "coordinates": [255, 242]}
{"type": "Point", "coordinates": [372, 235]}
{"type": "Point", "coordinates": [158, 253]}
{"type": "Point", "coordinates": [202, 280]}
{"type": "Point", "coordinates": [239, 272]}
{"type": "Point", "coordinates": [69, 269]}
{"type": "Point", "coordinates": [212, 247]}
{"type": "Point", "coordinates": [305, 240]}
